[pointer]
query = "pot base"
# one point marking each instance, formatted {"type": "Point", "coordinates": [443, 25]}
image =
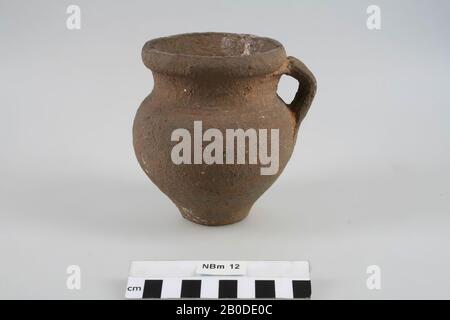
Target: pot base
{"type": "Point", "coordinates": [236, 216]}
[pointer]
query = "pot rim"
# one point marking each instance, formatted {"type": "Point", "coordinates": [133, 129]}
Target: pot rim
{"type": "Point", "coordinates": [260, 62]}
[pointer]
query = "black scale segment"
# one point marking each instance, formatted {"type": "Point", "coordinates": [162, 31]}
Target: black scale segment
{"type": "Point", "coordinates": [152, 289]}
{"type": "Point", "coordinates": [227, 289]}
{"type": "Point", "coordinates": [191, 288]}
{"type": "Point", "coordinates": [301, 289]}
{"type": "Point", "coordinates": [264, 289]}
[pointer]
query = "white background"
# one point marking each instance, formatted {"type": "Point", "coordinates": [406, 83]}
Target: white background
{"type": "Point", "coordinates": [368, 182]}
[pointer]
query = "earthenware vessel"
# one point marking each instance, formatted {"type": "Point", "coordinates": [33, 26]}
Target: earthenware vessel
{"type": "Point", "coordinates": [221, 81]}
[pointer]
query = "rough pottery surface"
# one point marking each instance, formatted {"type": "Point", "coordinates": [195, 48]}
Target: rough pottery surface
{"type": "Point", "coordinates": [226, 81]}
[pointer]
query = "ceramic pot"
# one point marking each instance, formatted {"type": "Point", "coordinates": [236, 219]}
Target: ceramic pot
{"type": "Point", "coordinates": [218, 81]}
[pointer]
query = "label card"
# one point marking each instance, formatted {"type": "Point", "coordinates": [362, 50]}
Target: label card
{"type": "Point", "coordinates": [222, 268]}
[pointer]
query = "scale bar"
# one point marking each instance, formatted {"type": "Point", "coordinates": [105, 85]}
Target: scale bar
{"type": "Point", "coordinates": [218, 288]}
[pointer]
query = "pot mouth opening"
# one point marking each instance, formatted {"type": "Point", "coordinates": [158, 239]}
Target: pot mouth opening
{"type": "Point", "coordinates": [213, 44]}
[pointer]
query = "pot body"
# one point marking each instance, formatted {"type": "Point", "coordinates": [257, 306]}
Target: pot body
{"type": "Point", "coordinates": [211, 194]}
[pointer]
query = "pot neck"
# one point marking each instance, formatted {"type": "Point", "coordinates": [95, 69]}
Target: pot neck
{"type": "Point", "coordinates": [212, 88]}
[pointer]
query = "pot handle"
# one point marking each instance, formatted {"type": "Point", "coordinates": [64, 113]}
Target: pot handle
{"type": "Point", "coordinates": [306, 88]}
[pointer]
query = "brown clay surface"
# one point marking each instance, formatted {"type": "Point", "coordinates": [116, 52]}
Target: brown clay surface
{"type": "Point", "coordinates": [227, 81]}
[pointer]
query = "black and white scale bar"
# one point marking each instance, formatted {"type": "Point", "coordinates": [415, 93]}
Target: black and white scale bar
{"type": "Point", "coordinates": [219, 288]}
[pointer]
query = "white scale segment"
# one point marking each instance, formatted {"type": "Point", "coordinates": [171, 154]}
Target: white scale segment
{"type": "Point", "coordinates": [219, 279]}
